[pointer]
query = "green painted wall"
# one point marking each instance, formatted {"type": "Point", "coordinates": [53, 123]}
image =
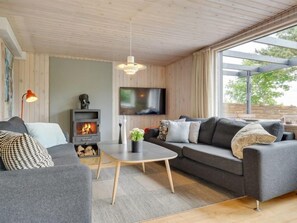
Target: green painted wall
{"type": "Point", "coordinates": [68, 79]}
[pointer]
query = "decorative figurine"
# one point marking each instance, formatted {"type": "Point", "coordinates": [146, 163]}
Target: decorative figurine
{"type": "Point", "coordinates": [84, 101]}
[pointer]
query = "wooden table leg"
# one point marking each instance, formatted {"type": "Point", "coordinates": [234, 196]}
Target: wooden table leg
{"type": "Point", "coordinates": [169, 175]}
{"type": "Point", "coordinates": [143, 167]}
{"type": "Point", "coordinates": [99, 164]}
{"type": "Point", "coordinates": [115, 183]}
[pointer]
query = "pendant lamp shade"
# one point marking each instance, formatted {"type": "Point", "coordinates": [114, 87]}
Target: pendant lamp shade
{"type": "Point", "coordinates": [130, 68]}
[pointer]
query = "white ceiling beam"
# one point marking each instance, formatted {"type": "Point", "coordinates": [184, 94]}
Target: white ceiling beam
{"type": "Point", "coordinates": [250, 56]}
{"type": "Point", "coordinates": [234, 73]}
{"type": "Point", "coordinates": [277, 42]}
{"type": "Point", "coordinates": [7, 35]}
{"type": "Point", "coordinates": [270, 67]}
{"type": "Point", "coordinates": [239, 67]}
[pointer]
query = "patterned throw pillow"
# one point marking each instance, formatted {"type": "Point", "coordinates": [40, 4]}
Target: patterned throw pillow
{"type": "Point", "coordinates": [21, 151]}
{"type": "Point", "coordinates": [163, 128]}
{"type": "Point", "coordinates": [252, 133]}
{"type": "Point", "coordinates": [6, 136]}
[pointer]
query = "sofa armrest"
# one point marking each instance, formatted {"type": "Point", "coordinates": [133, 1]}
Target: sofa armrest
{"type": "Point", "coordinates": [270, 170]}
{"type": "Point", "coordinates": [53, 194]}
{"type": "Point", "coordinates": [151, 133]}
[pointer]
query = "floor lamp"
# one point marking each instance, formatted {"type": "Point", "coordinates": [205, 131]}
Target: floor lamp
{"type": "Point", "coordinates": [30, 97]}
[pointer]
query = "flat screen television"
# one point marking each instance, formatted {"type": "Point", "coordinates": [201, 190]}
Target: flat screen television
{"type": "Point", "coordinates": [142, 101]}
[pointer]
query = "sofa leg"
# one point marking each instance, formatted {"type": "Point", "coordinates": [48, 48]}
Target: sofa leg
{"type": "Point", "coordinates": [257, 206]}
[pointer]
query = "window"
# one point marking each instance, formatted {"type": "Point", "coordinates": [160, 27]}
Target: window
{"type": "Point", "coordinates": [259, 78]}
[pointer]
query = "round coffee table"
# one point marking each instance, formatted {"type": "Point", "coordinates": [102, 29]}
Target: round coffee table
{"type": "Point", "coordinates": [121, 153]}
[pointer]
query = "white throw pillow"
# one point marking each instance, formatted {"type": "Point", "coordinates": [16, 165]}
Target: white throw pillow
{"type": "Point", "coordinates": [47, 134]}
{"type": "Point", "coordinates": [178, 132]}
{"type": "Point", "coordinates": [21, 151]}
{"type": "Point", "coordinates": [194, 132]}
{"type": "Point", "coordinates": [252, 133]}
{"type": "Point", "coordinates": [163, 128]}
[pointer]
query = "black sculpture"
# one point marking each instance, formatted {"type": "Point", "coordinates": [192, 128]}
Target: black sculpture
{"type": "Point", "coordinates": [84, 101]}
{"type": "Point", "coordinates": [120, 136]}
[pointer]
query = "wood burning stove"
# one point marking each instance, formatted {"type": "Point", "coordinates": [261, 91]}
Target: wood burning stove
{"type": "Point", "coordinates": [85, 131]}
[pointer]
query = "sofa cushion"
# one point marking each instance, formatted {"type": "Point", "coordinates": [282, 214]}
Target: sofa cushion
{"type": "Point", "coordinates": [21, 151]}
{"type": "Point", "coordinates": [274, 128]}
{"type": "Point", "coordinates": [225, 131]}
{"type": "Point", "coordinates": [194, 132]}
{"type": "Point", "coordinates": [176, 147]}
{"type": "Point", "coordinates": [213, 156]}
{"type": "Point", "coordinates": [163, 128]}
{"type": "Point", "coordinates": [178, 132]}
{"type": "Point", "coordinates": [63, 154]}
{"type": "Point", "coordinates": [47, 134]}
{"type": "Point", "coordinates": [14, 124]}
{"type": "Point", "coordinates": [207, 128]}
{"type": "Point", "coordinates": [251, 134]}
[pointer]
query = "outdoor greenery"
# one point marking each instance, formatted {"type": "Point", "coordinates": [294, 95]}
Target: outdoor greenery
{"type": "Point", "coordinates": [266, 87]}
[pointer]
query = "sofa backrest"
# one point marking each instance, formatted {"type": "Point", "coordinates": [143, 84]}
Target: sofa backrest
{"type": "Point", "coordinates": [227, 128]}
{"type": "Point", "coordinates": [14, 124]}
{"type": "Point", "coordinates": [225, 131]}
{"type": "Point", "coordinates": [207, 128]}
{"type": "Point", "coordinates": [274, 128]}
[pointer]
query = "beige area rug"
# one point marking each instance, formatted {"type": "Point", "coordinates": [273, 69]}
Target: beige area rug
{"type": "Point", "coordinates": [143, 196]}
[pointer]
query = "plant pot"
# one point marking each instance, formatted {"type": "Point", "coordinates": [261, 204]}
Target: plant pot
{"type": "Point", "coordinates": [136, 146]}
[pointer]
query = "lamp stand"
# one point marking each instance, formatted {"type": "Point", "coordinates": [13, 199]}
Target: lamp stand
{"type": "Point", "coordinates": [22, 106]}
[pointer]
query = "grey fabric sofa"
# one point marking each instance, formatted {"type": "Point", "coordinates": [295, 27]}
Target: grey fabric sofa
{"type": "Point", "coordinates": [266, 171]}
{"type": "Point", "coordinates": [62, 193]}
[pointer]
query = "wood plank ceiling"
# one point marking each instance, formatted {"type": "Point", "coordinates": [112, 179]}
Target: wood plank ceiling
{"type": "Point", "coordinates": [163, 31]}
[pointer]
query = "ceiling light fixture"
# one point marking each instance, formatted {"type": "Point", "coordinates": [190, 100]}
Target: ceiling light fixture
{"type": "Point", "coordinates": [131, 67]}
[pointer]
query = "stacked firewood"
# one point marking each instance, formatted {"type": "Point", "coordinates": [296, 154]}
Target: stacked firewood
{"type": "Point", "coordinates": [88, 151]}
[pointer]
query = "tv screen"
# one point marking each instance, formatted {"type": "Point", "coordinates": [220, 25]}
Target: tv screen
{"type": "Point", "coordinates": [142, 101]}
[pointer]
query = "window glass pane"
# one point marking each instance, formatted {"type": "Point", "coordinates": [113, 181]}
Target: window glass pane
{"type": "Point", "coordinates": [234, 96]}
{"type": "Point", "coordinates": [271, 61]}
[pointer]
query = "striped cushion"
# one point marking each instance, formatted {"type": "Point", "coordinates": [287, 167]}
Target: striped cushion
{"type": "Point", "coordinates": [5, 136]}
{"type": "Point", "coordinates": [21, 151]}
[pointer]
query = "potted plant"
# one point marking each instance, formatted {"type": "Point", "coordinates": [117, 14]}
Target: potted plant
{"type": "Point", "coordinates": [136, 136]}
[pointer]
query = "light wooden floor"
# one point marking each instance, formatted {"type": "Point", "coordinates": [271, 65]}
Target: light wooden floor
{"type": "Point", "coordinates": [279, 210]}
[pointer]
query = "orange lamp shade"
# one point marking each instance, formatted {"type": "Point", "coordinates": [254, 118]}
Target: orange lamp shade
{"type": "Point", "coordinates": [30, 96]}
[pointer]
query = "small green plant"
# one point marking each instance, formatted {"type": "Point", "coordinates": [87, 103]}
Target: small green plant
{"type": "Point", "coordinates": [136, 134]}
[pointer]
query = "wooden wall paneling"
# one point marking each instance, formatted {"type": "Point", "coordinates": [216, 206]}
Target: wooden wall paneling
{"type": "Point", "coordinates": [178, 85]}
{"type": "Point", "coordinates": [33, 85]}
{"type": "Point", "coordinates": [45, 113]}
{"type": "Point", "coordinates": [32, 73]}
{"type": "Point", "coordinates": [21, 86]}
{"type": "Point", "coordinates": [153, 76]}
{"type": "Point", "coordinates": [27, 106]}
